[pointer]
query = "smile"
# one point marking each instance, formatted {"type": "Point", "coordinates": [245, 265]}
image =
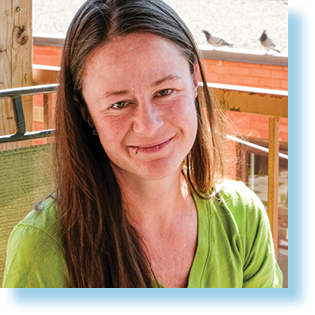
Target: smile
{"type": "Point", "coordinates": [151, 148]}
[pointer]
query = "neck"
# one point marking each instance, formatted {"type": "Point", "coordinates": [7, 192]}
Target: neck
{"type": "Point", "coordinates": [153, 205]}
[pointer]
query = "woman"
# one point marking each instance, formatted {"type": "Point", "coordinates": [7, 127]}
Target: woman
{"type": "Point", "coordinates": [141, 199]}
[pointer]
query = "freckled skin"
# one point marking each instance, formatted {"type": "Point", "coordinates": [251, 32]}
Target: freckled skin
{"type": "Point", "coordinates": [140, 93]}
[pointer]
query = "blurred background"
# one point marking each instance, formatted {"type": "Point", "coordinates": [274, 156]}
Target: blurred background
{"type": "Point", "coordinates": [240, 22]}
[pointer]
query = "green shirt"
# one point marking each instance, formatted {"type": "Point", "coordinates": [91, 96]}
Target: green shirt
{"type": "Point", "coordinates": [234, 249]}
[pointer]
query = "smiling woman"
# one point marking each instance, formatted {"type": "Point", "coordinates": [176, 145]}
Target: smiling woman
{"type": "Point", "coordinates": [151, 113]}
{"type": "Point", "coordinates": [141, 197]}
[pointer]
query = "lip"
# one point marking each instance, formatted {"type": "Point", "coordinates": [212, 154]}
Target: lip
{"type": "Point", "coordinates": [151, 148]}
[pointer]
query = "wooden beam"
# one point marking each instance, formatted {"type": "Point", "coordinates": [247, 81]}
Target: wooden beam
{"type": "Point", "coordinates": [273, 175]}
{"type": "Point", "coordinates": [15, 62]}
{"type": "Point", "coordinates": [48, 111]}
{"type": "Point", "coordinates": [250, 100]}
{"type": "Point", "coordinates": [45, 74]}
{"type": "Point", "coordinates": [7, 124]}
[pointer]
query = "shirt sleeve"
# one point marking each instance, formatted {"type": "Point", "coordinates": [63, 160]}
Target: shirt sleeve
{"type": "Point", "coordinates": [34, 260]}
{"type": "Point", "coordinates": [260, 268]}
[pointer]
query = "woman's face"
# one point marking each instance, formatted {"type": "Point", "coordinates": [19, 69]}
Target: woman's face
{"type": "Point", "coordinates": [140, 95]}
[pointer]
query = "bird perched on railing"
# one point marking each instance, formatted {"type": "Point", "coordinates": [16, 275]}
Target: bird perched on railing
{"type": "Point", "coordinates": [216, 41]}
{"type": "Point", "coordinates": [267, 43]}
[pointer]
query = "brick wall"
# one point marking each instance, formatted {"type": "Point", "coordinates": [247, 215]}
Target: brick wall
{"type": "Point", "coordinates": [47, 55]}
{"type": "Point", "coordinates": [217, 71]}
{"type": "Point", "coordinates": [247, 74]}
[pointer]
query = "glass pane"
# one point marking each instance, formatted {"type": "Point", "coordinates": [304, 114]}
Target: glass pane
{"type": "Point", "coordinates": [258, 182]}
{"type": "Point", "coordinates": [258, 179]}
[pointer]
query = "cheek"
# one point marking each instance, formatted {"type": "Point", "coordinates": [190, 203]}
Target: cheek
{"type": "Point", "coordinates": [184, 112]}
{"type": "Point", "coordinates": [110, 131]}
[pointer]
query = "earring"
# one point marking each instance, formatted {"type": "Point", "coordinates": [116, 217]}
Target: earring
{"type": "Point", "coordinates": [92, 126]}
{"type": "Point", "coordinates": [89, 122]}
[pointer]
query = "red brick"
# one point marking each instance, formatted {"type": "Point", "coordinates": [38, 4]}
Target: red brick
{"type": "Point", "coordinates": [249, 81]}
{"type": "Point", "coordinates": [259, 125]}
{"type": "Point", "coordinates": [228, 79]}
{"type": "Point", "coordinates": [260, 73]}
{"type": "Point", "coordinates": [283, 137]}
{"type": "Point", "coordinates": [45, 50]}
{"type": "Point", "coordinates": [242, 71]}
{"type": "Point", "coordinates": [37, 126]}
{"type": "Point", "coordinates": [279, 74]}
{"type": "Point", "coordinates": [284, 85]}
{"type": "Point", "coordinates": [243, 122]}
{"type": "Point", "coordinates": [45, 60]}
{"type": "Point", "coordinates": [283, 128]}
{"type": "Point", "coordinates": [221, 69]}
{"type": "Point", "coordinates": [250, 65]}
{"type": "Point", "coordinates": [212, 77]}
{"type": "Point", "coordinates": [236, 115]}
{"type": "Point", "coordinates": [273, 67]}
{"type": "Point", "coordinates": [59, 51]}
{"type": "Point", "coordinates": [283, 121]}
{"type": "Point", "coordinates": [264, 118]}
{"type": "Point", "coordinates": [38, 100]}
{"type": "Point", "coordinates": [264, 134]}
{"type": "Point", "coordinates": [270, 83]}
{"type": "Point", "coordinates": [209, 62]}
{"type": "Point", "coordinates": [235, 63]}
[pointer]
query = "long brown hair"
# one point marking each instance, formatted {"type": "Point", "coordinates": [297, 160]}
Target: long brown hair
{"type": "Point", "coordinates": [103, 249]}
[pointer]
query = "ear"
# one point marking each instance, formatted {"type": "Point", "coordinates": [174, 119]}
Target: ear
{"type": "Point", "coordinates": [195, 77]}
{"type": "Point", "coordinates": [83, 112]}
{"type": "Point", "coordinates": [81, 108]}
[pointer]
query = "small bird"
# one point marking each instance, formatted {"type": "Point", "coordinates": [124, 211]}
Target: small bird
{"type": "Point", "coordinates": [216, 41]}
{"type": "Point", "coordinates": [267, 42]}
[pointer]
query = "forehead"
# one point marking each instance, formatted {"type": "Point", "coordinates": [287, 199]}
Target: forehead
{"type": "Point", "coordinates": [142, 49]}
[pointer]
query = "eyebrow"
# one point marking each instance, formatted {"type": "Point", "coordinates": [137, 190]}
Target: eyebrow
{"type": "Point", "coordinates": [166, 78]}
{"type": "Point", "coordinates": [154, 84]}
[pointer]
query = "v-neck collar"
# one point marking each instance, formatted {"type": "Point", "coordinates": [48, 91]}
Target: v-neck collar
{"type": "Point", "coordinates": [203, 238]}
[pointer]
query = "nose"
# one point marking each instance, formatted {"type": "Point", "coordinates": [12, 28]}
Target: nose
{"type": "Point", "coordinates": [147, 118]}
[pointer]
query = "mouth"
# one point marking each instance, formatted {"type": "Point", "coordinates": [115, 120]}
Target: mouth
{"type": "Point", "coordinates": [151, 148]}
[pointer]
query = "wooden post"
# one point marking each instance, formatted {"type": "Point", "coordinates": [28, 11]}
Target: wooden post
{"type": "Point", "coordinates": [15, 62]}
{"type": "Point", "coordinates": [273, 175]}
{"type": "Point", "coordinates": [48, 111]}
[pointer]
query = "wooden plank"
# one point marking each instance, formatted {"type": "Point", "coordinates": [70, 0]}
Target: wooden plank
{"type": "Point", "coordinates": [48, 111]}
{"type": "Point", "coordinates": [22, 56]}
{"type": "Point", "coordinates": [16, 40]}
{"type": "Point", "coordinates": [269, 102]}
{"type": "Point", "coordinates": [7, 124]}
{"type": "Point", "coordinates": [45, 74]}
{"type": "Point", "coordinates": [273, 175]}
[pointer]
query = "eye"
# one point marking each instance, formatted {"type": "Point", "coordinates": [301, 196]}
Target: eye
{"type": "Point", "coordinates": [119, 105]}
{"type": "Point", "coordinates": [164, 92]}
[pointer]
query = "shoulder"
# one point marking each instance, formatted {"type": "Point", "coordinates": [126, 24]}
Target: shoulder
{"type": "Point", "coordinates": [35, 252]}
{"type": "Point", "coordinates": [236, 192]}
{"type": "Point", "coordinates": [242, 206]}
{"type": "Point", "coordinates": [241, 202]}
{"type": "Point", "coordinates": [44, 219]}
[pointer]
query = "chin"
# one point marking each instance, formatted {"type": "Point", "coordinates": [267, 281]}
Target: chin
{"type": "Point", "coordinates": [160, 170]}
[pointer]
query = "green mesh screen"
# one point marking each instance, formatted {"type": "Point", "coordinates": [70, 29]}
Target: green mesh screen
{"type": "Point", "coordinates": [25, 178]}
